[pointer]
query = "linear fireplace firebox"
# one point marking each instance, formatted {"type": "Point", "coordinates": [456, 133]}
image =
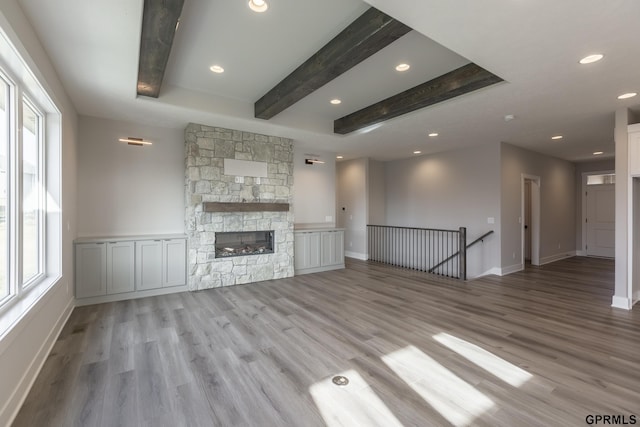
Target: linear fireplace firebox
{"type": "Point", "coordinates": [241, 243]}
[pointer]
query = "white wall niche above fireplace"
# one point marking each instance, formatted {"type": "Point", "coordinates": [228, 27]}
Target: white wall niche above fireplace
{"type": "Point", "coordinates": [207, 184]}
{"type": "Point", "coordinates": [245, 168]}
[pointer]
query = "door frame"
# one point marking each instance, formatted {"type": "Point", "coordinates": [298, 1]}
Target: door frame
{"type": "Point", "coordinates": [535, 218]}
{"type": "Point", "coordinates": [583, 248]}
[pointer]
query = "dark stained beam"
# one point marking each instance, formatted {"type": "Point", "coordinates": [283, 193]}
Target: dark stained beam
{"type": "Point", "coordinates": [368, 34]}
{"type": "Point", "coordinates": [454, 83]}
{"type": "Point", "coordinates": [159, 21]}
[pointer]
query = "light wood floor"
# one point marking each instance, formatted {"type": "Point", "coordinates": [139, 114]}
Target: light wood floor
{"type": "Point", "coordinates": [540, 347]}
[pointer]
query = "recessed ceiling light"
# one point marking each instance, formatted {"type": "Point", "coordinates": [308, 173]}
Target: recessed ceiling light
{"type": "Point", "coordinates": [217, 69]}
{"type": "Point", "coordinates": [339, 157]}
{"type": "Point", "coordinates": [597, 153]}
{"type": "Point", "coordinates": [509, 117]}
{"type": "Point", "coordinates": [402, 67]}
{"type": "Point", "coordinates": [591, 58]}
{"type": "Point", "coordinates": [557, 137]}
{"type": "Point", "coordinates": [258, 5]}
{"type": "Point", "coordinates": [433, 134]}
{"type": "Point", "coordinates": [627, 95]}
{"type": "Point", "coordinates": [336, 101]}
{"type": "Point", "coordinates": [417, 152]}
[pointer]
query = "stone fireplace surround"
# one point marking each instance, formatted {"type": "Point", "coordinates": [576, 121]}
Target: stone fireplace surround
{"type": "Point", "coordinates": [205, 181]}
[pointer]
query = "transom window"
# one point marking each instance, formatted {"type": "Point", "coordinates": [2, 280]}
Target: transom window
{"type": "Point", "coordinates": [607, 178]}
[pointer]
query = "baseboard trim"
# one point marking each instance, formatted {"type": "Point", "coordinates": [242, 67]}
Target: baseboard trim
{"type": "Point", "coordinates": [21, 391]}
{"type": "Point", "coordinates": [511, 269]}
{"type": "Point", "coordinates": [495, 271]}
{"type": "Point", "coordinates": [131, 295]}
{"type": "Point", "coordinates": [356, 255]}
{"type": "Point", "coordinates": [581, 253]}
{"type": "Point", "coordinates": [621, 302]}
{"type": "Point", "coordinates": [557, 257]}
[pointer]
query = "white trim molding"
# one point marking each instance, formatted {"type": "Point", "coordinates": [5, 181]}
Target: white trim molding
{"type": "Point", "coordinates": [356, 255]}
{"type": "Point", "coordinates": [621, 302]}
{"type": "Point", "coordinates": [511, 269]}
{"type": "Point", "coordinates": [557, 257]}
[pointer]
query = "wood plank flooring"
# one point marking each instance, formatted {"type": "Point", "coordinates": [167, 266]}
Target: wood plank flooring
{"type": "Point", "coordinates": [541, 347]}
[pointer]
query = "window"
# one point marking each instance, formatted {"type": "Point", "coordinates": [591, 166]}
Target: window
{"type": "Point", "coordinates": [608, 178]}
{"type": "Point", "coordinates": [23, 190]}
{"type": "Point", "coordinates": [32, 197]}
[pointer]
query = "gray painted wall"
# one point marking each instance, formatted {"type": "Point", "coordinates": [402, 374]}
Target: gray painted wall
{"type": "Point", "coordinates": [314, 188]}
{"type": "Point", "coordinates": [377, 194]}
{"type": "Point", "coordinates": [129, 190]}
{"type": "Point", "coordinates": [449, 190]}
{"type": "Point", "coordinates": [557, 204]}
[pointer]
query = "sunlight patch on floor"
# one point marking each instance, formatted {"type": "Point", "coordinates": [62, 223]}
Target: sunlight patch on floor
{"type": "Point", "coordinates": [507, 372]}
{"type": "Point", "coordinates": [456, 400]}
{"type": "Point", "coordinates": [353, 405]}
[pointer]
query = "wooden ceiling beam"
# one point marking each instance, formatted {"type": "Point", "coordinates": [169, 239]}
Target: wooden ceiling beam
{"type": "Point", "coordinates": [159, 24]}
{"type": "Point", "coordinates": [368, 34]}
{"type": "Point", "coordinates": [450, 85]}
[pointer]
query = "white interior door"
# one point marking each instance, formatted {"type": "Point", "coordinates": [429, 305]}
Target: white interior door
{"type": "Point", "coordinates": [527, 220]}
{"type": "Point", "coordinates": [601, 220]}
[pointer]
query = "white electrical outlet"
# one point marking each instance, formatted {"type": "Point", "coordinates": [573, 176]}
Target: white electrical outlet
{"type": "Point", "coordinates": [491, 220]}
{"type": "Point", "coordinates": [328, 218]}
{"type": "Point", "coordinates": [239, 179]}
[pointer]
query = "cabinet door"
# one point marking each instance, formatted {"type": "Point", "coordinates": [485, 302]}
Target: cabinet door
{"type": "Point", "coordinates": [91, 270]}
{"type": "Point", "coordinates": [175, 262]}
{"type": "Point", "coordinates": [339, 247]}
{"type": "Point", "coordinates": [328, 247]}
{"type": "Point", "coordinates": [332, 247]}
{"type": "Point", "coordinates": [148, 264]}
{"type": "Point", "coordinates": [307, 250]}
{"type": "Point", "coordinates": [120, 267]}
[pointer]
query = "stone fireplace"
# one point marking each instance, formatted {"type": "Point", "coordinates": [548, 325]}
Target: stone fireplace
{"type": "Point", "coordinates": [216, 257]}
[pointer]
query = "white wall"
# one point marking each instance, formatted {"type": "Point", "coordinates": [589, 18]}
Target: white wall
{"type": "Point", "coordinates": [352, 205]}
{"type": "Point", "coordinates": [129, 190]}
{"type": "Point", "coordinates": [557, 205]}
{"type": "Point", "coordinates": [24, 348]}
{"type": "Point", "coordinates": [449, 190]}
{"type": "Point", "coordinates": [314, 188]}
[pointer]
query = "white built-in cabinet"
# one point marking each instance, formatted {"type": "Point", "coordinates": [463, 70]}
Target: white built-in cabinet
{"type": "Point", "coordinates": [318, 250]}
{"type": "Point", "coordinates": [116, 269]}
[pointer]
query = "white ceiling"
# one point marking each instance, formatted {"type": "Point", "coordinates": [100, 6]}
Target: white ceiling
{"type": "Point", "coordinates": [533, 45]}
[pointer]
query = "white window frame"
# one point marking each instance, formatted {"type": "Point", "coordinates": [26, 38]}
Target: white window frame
{"type": "Point", "coordinates": [42, 183]}
{"type": "Point", "coordinates": [25, 88]}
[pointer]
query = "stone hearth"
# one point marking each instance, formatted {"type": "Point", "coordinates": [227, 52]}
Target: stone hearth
{"type": "Point", "coordinates": [206, 149]}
